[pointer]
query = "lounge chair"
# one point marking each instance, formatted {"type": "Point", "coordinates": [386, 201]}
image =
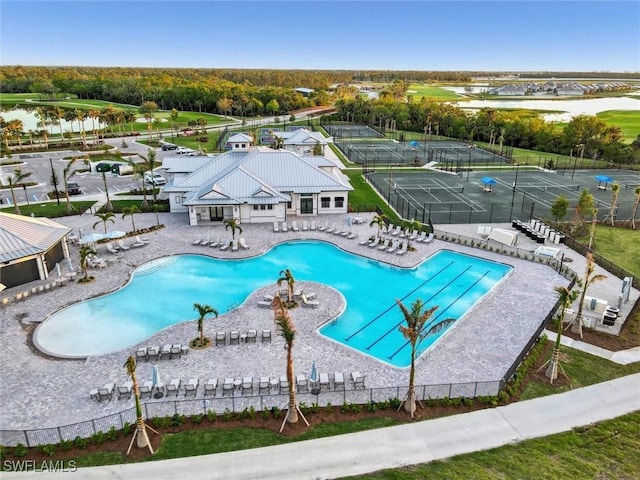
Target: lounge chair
{"type": "Point", "coordinates": [125, 389]}
{"type": "Point", "coordinates": [364, 242]}
{"type": "Point", "coordinates": [310, 295]}
{"type": "Point", "coordinates": [396, 232]}
{"type": "Point", "coordinates": [413, 235]}
{"type": "Point", "coordinates": [284, 384]}
{"type": "Point", "coordinates": [227, 387]}
{"type": "Point", "coordinates": [294, 226]}
{"type": "Point", "coordinates": [276, 228]}
{"type": "Point", "coordinates": [374, 243]}
{"type": "Point", "coordinates": [234, 245]}
{"type": "Point", "coordinates": [111, 249]}
{"type": "Point", "coordinates": [285, 227]}
{"type": "Point", "coordinates": [165, 352]}
{"type": "Point", "coordinates": [301, 383]}
{"type": "Point", "coordinates": [324, 382]}
{"type": "Point", "coordinates": [153, 353]}
{"type": "Point", "coordinates": [234, 337]}
{"type": "Point", "coordinates": [358, 380]}
{"type": "Point", "coordinates": [429, 238]}
{"type": "Point", "coordinates": [266, 336]}
{"type": "Point", "coordinates": [264, 304]}
{"type": "Point", "coordinates": [403, 248]}
{"type": "Point", "coordinates": [197, 241]}
{"type": "Point", "coordinates": [106, 391]}
{"type": "Point", "coordinates": [176, 351]}
{"type": "Point", "coordinates": [173, 386]}
{"type": "Point", "coordinates": [322, 227]}
{"type": "Point", "coordinates": [305, 225]}
{"type": "Point", "coordinates": [421, 237]}
{"type": "Point", "coordinates": [141, 239]}
{"type": "Point", "coordinates": [385, 245]}
{"type": "Point", "coordinates": [121, 245]}
{"type": "Point", "coordinates": [214, 243]}
{"type": "Point", "coordinates": [210, 387]}
{"type": "Point", "coordinates": [313, 225]}
{"type": "Point", "coordinates": [138, 244]}
{"type": "Point", "coordinates": [263, 385]}
{"type": "Point", "coordinates": [141, 354]}
{"type": "Point", "coordinates": [221, 338]}
{"type": "Point", "coordinates": [251, 336]}
{"type": "Point", "coordinates": [330, 229]}
{"type": "Point", "coordinates": [352, 235]}
{"type": "Point", "coordinates": [146, 388]}
{"type": "Point", "coordinates": [338, 380]}
{"type": "Point", "coordinates": [247, 386]}
{"type": "Point", "coordinates": [191, 387]}
{"type": "Point", "coordinates": [205, 242]}
{"type": "Point", "coordinates": [243, 243]}
{"type": "Point", "coordinates": [309, 303]}
{"type": "Point", "coordinates": [393, 247]}
{"type": "Point", "coordinates": [224, 245]}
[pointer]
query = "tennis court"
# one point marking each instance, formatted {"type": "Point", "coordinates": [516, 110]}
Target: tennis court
{"type": "Point", "coordinates": [351, 131]}
{"type": "Point", "coordinates": [511, 194]}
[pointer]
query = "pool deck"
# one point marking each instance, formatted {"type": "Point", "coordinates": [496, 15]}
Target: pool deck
{"type": "Point", "coordinates": [39, 392]}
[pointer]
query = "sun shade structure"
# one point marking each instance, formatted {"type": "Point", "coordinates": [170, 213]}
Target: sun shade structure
{"type": "Point", "coordinates": [488, 182]}
{"type": "Point", "coordinates": [603, 180]}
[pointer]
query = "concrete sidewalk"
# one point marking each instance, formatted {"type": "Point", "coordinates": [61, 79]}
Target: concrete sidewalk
{"type": "Point", "coordinates": [393, 447]}
{"type": "Point", "coordinates": [621, 357]}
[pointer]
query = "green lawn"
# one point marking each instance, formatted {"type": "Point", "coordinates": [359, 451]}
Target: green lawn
{"type": "Point", "coordinates": [627, 120]}
{"type": "Point", "coordinates": [419, 91]}
{"type": "Point", "coordinates": [619, 245]}
{"type": "Point", "coordinates": [51, 209]}
{"type": "Point", "coordinates": [608, 450]}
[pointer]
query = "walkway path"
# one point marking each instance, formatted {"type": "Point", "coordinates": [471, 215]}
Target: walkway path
{"type": "Point", "coordinates": [621, 357]}
{"type": "Point", "coordinates": [393, 447]}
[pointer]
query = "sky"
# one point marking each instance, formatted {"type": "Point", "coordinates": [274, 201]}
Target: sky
{"type": "Point", "coordinates": [478, 35]}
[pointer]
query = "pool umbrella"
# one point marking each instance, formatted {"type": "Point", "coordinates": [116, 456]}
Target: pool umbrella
{"type": "Point", "coordinates": [114, 234]}
{"type": "Point", "coordinates": [155, 380]}
{"type": "Point", "coordinates": [349, 220]}
{"type": "Point", "coordinates": [58, 271]}
{"type": "Point", "coordinates": [313, 379]}
{"type": "Point", "coordinates": [413, 143]}
{"type": "Point", "coordinates": [488, 181]}
{"type": "Point", "coordinates": [91, 238]}
{"type": "Point", "coordinates": [603, 179]}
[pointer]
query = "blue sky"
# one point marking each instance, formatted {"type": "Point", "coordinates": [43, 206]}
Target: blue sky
{"type": "Point", "coordinates": [419, 35]}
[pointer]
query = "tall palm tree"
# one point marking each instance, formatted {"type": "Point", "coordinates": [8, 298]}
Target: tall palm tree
{"type": "Point", "coordinates": [378, 221]}
{"type": "Point", "coordinates": [156, 209]}
{"type": "Point", "coordinates": [130, 211]}
{"type": "Point", "coordinates": [634, 212]}
{"type": "Point", "coordinates": [287, 330]}
{"type": "Point", "coordinates": [67, 173]}
{"type": "Point", "coordinates": [203, 310]}
{"type": "Point", "coordinates": [411, 226]}
{"type": "Point", "coordinates": [57, 112]}
{"type": "Point", "coordinates": [44, 119]}
{"type": "Point", "coordinates": [15, 179]}
{"type": "Point", "coordinates": [85, 252]}
{"type": "Point", "coordinates": [149, 164]}
{"type": "Point", "coordinates": [287, 276]}
{"type": "Point", "coordinates": [104, 218]}
{"type": "Point", "coordinates": [140, 433]}
{"type": "Point", "coordinates": [615, 192]}
{"type": "Point", "coordinates": [589, 277]}
{"type": "Point", "coordinates": [417, 328]}
{"type": "Point", "coordinates": [148, 109]}
{"type": "Point", "coordinates": [232, 223]}
{"type": "Point", "coordinates": [80, 116]}
{"type": "Point", "coordinates": [566, 298]}
{"type": "Point", "coordinates": [108, 206]}
{"type": "Point", "coordinates": [93, 115]}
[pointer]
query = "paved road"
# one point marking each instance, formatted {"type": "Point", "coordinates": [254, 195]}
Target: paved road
{"type": "Point", "coordinates": [393, 447]}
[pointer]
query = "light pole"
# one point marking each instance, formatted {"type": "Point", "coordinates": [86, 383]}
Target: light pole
{"type": "Point", "coordinates": [470, 147]}
{"type": "Point", "coordinates": [515, 184]}
{"type": "Point", "coordinates": [390, 181]}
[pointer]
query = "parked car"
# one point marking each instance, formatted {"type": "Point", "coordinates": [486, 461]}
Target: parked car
{"type": "Point", "coordinates": [184, 151]}
{"type": "Point", "coordinates": [103, 167]}
{"type": "Point", "coordinates": [73, 188]}
{"type": "Point", "coordinates": [169, 146]}
{"type": "Point", "coordinates": [121, 169]}
{"type": "Point", "coordinates": [154, 178]}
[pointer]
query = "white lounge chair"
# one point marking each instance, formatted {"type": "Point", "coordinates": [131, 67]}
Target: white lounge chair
{"type": "Point", "coordinates": [243, 243]}
{"type": "Point", "coordinates": [403, 248]}
{"type": "Point", "coordinates": [264, 304]}
{"type": "Point", "coordinates": [165, 352]}
{"type": "Point", "coordinates": [111, 249]}
{"type": "Point", "coordinates": [173, 386]}
{"type": "Point", "coordinates": [302, 383]}
{"type": "Point", "coordinates": [285, 227]}
{"type": "Point", "coordinates": [385, 245]}
{"type": "Point", "coordinates": [305, 225]}
{"type": "Point", "coordinates": [284, 384]}
{"type": "Point", "coordinates": [393, 247]}
{"type": "Point", "coordinates": [106, 391]}
{"type": "Point", "coordinates": [358, 380]}
{"type": "Point", "coordinates": [141, 239]}
{"type": "Point", "coordinates": [153, 353]}
{"type": "Point", "coordinates": [429, 238]}
{"type": "Point", "coordinates": [234, 337]}
{"type": "Point", "coordinates": [210, 387]}
{"type": "Point", "coordinates": [197, 241]}
{"type": "Point", "coordinates": [338, 380]}
{"type": "Point", "coordinates": [263, 385]}
{"type": "Point", "coordinates": [309, 303]}
{"type": "Point", "coordinates": [352, 235]}
{"type": "Point", "coordinates": [121, 245]}
{"type": "Point", "coordinates": [364, 242]}
{"type": "Point", "coordinates": [224, 245]}
{"type": "Point", "coordinates": [228, 387]}
{"type": "Point", "coordinates": [125, 389]}
{"type": "Point", "coordinates": [221, 338]}
{"type": "Point", "coordinates": [294, 226]}
{"type": "Point", "coordinates": [266, 336]}
{"type": "Point", "coordinates": [252, 335]}
{"type": "Point", "coordinates": [234, 245]}
{"type": "Point", "coordinates": [396, 232]}
{"type": "Point", "coordinates": [421, 237]}
{"type": "Point", "coordinates": [191, 387]}
{"type": "Point", "coordinates": [413, 235]}
{"type": "Point", "coordinates": [276, 228]}
{"type": "Point", "coordinates": [313, 225]}
{"type": "Point", "coordinates": [146, 388]}
{"type": "Point", "coordinates": [141, 354]}
{"type": "Point", "coordinates": [324, 382]}
{"type": "Point", "coordinates": [247, 385]}
{"type": "Point", "coordinates": [214, 243]}
{"type": "Point", "coordinates": [322, 227]}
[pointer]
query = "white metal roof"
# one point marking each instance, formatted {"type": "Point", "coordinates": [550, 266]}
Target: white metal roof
{"type": "Point", "coordinates": [22, 236]}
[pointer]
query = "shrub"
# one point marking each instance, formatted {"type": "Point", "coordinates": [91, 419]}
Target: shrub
{"type": "Point", "coordinates": [455, 402]}
{"type": "Point", "coordinates": [98, 437]}
{"type": "Point", "coordinates": [345, 408]}
{"type": "Point", "coordinates": [199, 418]}
{"type": "Point", "coordinates": [177, 420]}
{"type": "Point", "coordinates": [467, 401]}
{"type": "Point", "coordinates": [303, 408]}
{"type": "Point", "coordinates": [384, 405]}
{"type": "Point", "coordinates": [252, 412]}
{"type": "Point", "coordinates": [66, 445]}
{"type": "Point", "coordinates": [227, 415]}
{"type": "Point", "coordinates": [315, 407]}
{"type": "Point", "coordinates": [445, 402]}
{"type": "Point", "coordinates": [355, 408]}
{"type": "Point", "coordinates": [329, 407]}
{"type": "Point", "coordinates": [432, 402]}
{"type": "Point", "coordinates": [371, 406]}
{"type": "Point", "coordinates": [266, 413]}
{"type": "Point", "coordinates": [275, 411]}
{"type": "Point", "coordinates": [49, 449]}
{"type": "Point", "coordinates": [112, 434]}
{"type": "Point", "coordinates": [211, 416]}
{"type": "Point", "coordinates": [126, 428]}
{"type": "Point", "coordinates": [80, 442]}
{"type": "Point", "coordinates": [395, 402]}
{"type": "Point", "coordinates": [20, 450]}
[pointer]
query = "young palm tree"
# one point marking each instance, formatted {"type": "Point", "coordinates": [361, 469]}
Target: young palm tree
{"type": "Point", "coordinates": [589, 277]}
{"type": "Point", "coordinates": [411, 226]}
{"type": "Point", "coordinates": [67, 173]}
{"type": "Point", "coordinates": [108, 206]}
{"type": "Point", "coordinates": [140, 433]}
{"type": "Point", "coordinates": [149, 164]}
{"type": "Point", "coordinates": [566, 298]}
{"type": "Point", "coordinates": [287, 330]}
{"type": "Point", "coordinates": [85, 252]}
{"type": "Point", "coordinates": [232, 223]}
{"type": "Point", "coordinates": [634, 212]}
{"type": "Point", "coordinates": [203, 310]}
{"type": "Point", "coordinates": [104, 218]}
{"type": "Point", "coordinates": [592, 229]}
{"type": "Point", "coordinates": [418, 327]}
{"type": "Point", "coordinates": [615, 192]}
{"type": "Point", "coordinates": [378, 221]}
{"type": "Point", "coordinates": [287, 276]}
{"type": "Point", "coordinates": [130, 212]}
{"type": "Point", "coordinates": [148, 109]}
{"type": "Point", "coordinates": [14, 179]}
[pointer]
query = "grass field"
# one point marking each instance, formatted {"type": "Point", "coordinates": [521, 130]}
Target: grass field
{"type": "Point", "coordinates": [627, 120]}
{"type": "Point", "coordinates": [419, 90]}
{"type": "Point", "coordinates": [619, 245]}
{"type": "Point", "coordinates": [52, 209]}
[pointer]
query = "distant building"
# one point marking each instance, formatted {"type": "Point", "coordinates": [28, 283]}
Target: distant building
{"type": "Point", "coordinates": [305, 92]}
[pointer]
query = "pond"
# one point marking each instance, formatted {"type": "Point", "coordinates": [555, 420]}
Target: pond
{"type": "Point", "coordinates": [31, 121]}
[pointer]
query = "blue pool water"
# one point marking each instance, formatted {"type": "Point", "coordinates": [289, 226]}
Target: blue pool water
{"type": "Point", "coordinates": [162, 292]}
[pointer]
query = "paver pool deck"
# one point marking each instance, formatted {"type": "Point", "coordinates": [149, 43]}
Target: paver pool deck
{"type": "Point", "coordinates": [37, 391]}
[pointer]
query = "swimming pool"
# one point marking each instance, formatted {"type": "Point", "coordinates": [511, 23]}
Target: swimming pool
{"type": "Point", "coordinates": [162, 292]}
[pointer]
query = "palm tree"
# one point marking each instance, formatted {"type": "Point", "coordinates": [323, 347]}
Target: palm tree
{"type": "Point", "coordinates": [140, 433]}
{"type": "Point", "coordinates": [287, 330]}
{"type": "Point", "coordinates": [148, 109]}
{"type": "Point", "coordinates": [149, 164]}
{"type": "Point", "coordinates": [104, 218]}
{"type": "Point", "coordinates": [232, 223]}
{"type": "Point", "coordinates": [589, 277]}
{"type": "Point", "coordinates": [58, 113]}
{"type": "Point", "coordinates": [411, 226]}
{"type": "Point", "coordinates": [67, 173]}
{"type": "Point", "coordinates": [85, 252]}
{"type": "Point", "coordinates": [615, 191]}
{"type": "Point", "coordinates": [94, 114]}
{"type": "Point", "coordinates": [42, 114]}
{"type": "Point", "coordinates": [108, 206]}
{"type": "Point", "coordinates": [287, 276]}
{"type": "Point", "coordinates": [635, 207]}
{"type": "Point", "coordinates": [203, 310]}
{"type": "Point", "coordinates": [418, 327]}
{"type": "Point", "coordinates": [14, 180]}
{"type": "Point", "coordinates": [130, 211]}
{"type": "Point", "coordinates": [156, 209]}
{"type": "Point", "coordinates": [80, 116]}
{"type": "Point", "coordinates": [566, 298]}
{"type": "Point", "coordinates": [379, 221]}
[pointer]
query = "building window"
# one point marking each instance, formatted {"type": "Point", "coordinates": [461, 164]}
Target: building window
{"type": "Point", "coordinates": [254, 207]}
{"type": "Point", "coordinates": [178, 199]}
{"type": "Point", "coordinates": [244, 145]}
{"type": "Point", "coordinates": [289, 205]}
{"type": "Point", "coordinates": [269, 207]}
{"type": "Point", "coordinates": [263, 207]}
{"type": "Point", "coordinates": [339, 202]}
{"type": "Point", "coordinates": [325, 202]}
